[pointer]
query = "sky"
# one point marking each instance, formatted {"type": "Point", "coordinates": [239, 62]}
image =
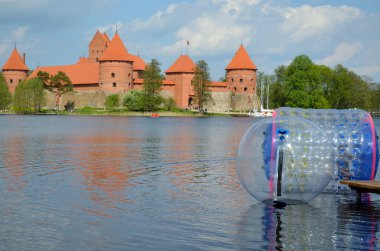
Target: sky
{"type": "Point", "coordinates": [274, 32]}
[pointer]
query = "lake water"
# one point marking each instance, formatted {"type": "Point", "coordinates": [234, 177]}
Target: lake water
{"type": "Point", "coordinates": [137, 183]}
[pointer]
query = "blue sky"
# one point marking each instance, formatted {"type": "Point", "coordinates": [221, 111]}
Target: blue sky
{"type": "Point", "coordinates": [56, 32]}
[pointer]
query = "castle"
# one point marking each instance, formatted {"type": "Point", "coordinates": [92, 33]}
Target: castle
{"type": "Point", "coordinates": [110, 68]}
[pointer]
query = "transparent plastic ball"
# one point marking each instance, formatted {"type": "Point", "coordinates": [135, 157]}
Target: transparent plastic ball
{"type": "Point", "coordinates": [354, 138]}
{"type": "Point", "coordinates": [285, 159]}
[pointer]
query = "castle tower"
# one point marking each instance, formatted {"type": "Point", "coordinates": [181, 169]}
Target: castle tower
{"type": "Point", "coordinates": [115, 67]}
{"type": "Point", "coordinates": [182, 73]}
{"type": "Point", "coordinates": [15, 70]}
{"type": "Point", "coordinates": [241, 73]}
{"type": "Point", "coordinates": [97, 46]}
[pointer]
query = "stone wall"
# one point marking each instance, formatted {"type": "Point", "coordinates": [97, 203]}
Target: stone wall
{"type": "Point", "coordinates": [223, 101]}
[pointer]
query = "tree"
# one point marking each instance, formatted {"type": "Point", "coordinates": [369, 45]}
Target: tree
{"type": "Point", "coordinates": [29, 96]}
{"type": "Point", "coordinates": [169, 103]}
{"type": "Point", "coordinates": [59, 84]}
{"type": "Point", "coordinates": [151, 98]}
{"type": "Point", "coordinates": [5, 95]}
{"type": "Point", "coordinates": [132, 100]}
{"type": "Point", "coordinates": [112, 101]}
{"type": "Point", "coordinates": [200, 83]}
{"type": "Point", "coordinates": [303, 84]}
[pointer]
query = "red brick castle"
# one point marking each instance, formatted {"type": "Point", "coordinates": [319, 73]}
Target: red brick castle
{"type": "Point", "coordinates": [110, 68]}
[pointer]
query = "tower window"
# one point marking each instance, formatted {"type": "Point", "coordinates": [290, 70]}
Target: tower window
{"type": "Point", "coordinates": [113, 74]}
{"type": "Point", "coordinates": [245, 89]}
{"type": "Point", "coordinates": [97, 59]}
{"type": "Point", "coordinates": [251, 79]}
{"type": "Point", "coordinates": [232, 80]}
{"type": "Point", "coordinates": [114, 84]}
{"type": "Point", "coordinates": [11, 80]}
{"type": "Point", "coordinates": [235, 88]}
{"type": "Point", "coordinates": [19, 80]}
{"type": "Point", "coordinates": [129, 74]}
{"type": "Point", "coordinates": [241, 80]}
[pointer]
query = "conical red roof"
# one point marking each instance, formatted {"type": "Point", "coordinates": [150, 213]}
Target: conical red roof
{"type": "Point", "coordinates": [241, 60]}
{"type": "Point", "coordinates": [183, 64]}
{"type": "Point", "coordinates": [116, 51]}
{"type": "Point", "coordinates": [15, 62]}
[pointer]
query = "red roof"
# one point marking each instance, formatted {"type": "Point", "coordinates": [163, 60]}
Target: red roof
{"type": "Point", "coordinates": [116, 51]}
{"type": "Point", "coordinates": [183, 64]}
{"type": "Point", "coordinates": [15, 62]}
{"type": "Point", "coordinates": [80, 73]}
{"type": "Point", "coordinates": [241, 60]}
{"type": "Point", "coordinates": [105, 37]}
{"type": "Point", "coordinates": [138, 63]}
{"type": "Point", "coordinates": [218, 84]}
{"type": "Point", "coordinates": [82, 60]}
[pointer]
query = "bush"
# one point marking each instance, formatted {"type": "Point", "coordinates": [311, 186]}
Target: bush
{"type": "Point", "coordinates": [169, 104]}
{"type": "Point", "coordinates": [132, 100]}
{"type": "Point", "coordinates": [5, 95]}
{"type": "Point", "coordinates": [29, 96]}
{"type": "Point", "coordinates": [112, 102]}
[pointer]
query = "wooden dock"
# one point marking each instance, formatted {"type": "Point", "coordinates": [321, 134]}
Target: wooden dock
{"type": "Point", "coordinates": [362, 186]}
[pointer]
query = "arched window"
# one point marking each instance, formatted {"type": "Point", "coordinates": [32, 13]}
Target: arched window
{"type": "Point", "coordinates": [235, 88]}
{"type": "Point", "coordinates": [241, 80]}
{"type": "Point", "coordinates": [245, 89]}
{"type": "Point", "coordinates": [113, 74]}
{"type": "Point", "coordinates": [11, 80]}
{"type": "Point", "coordinates": [114, 84]}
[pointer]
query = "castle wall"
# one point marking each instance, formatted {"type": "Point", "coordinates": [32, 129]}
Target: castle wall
{"type": "Point", "coordinates": [223, 101]}
{"type": "Point", "coordinates": [241, 81]}
{"type": "Point", "coordinates": [12, 78]}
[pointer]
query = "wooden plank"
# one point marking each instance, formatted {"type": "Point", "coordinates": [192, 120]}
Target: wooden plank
{"type": "Point", "coordinates": [370, 186]}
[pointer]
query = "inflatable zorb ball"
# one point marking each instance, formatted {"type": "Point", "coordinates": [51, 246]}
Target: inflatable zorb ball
{"type": "Point", "coordinates": [354, 140]}
{"type": "Point", "coordinates": [285, 159]}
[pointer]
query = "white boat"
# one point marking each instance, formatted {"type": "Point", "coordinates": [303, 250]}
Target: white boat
{"type": "Point", "coordinates": [264, 113]}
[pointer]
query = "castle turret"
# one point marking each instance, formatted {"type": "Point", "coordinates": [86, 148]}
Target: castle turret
{"type": "Point", "coordinates": [115, 67]}
{"type": "Point", "coordinates": [241, 73]}
{"type": "Point", "coordinates": [15, 70]}
{"type": "Point", "coordinates": [182, 73]}
{"type": "Point", "coordinates": [97, 46]}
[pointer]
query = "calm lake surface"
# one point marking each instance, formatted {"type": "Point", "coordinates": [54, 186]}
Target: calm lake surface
{"type": "Point", "coordinates": [136, 183]}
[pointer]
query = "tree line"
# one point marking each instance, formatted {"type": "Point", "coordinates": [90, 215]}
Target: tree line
{"type": "Point", "coordinates": [305, 84]}
{"type": "Point", "coordinates": [301, 84]}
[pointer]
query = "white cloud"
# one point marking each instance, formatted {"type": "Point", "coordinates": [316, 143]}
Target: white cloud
{"type": "Point", "coordinates": [159, 19]}
{"type": "Point", "coordinates": [19, 32]}
{"type": "Point", "coordinates": [111, 28]}
{"type": "Point", "coordinates": [308, 21]}
{"type": "Point", "coordinates": [342, 53]}
{"type": "Point", "coordinates": [209, 35]}
{"type": "Point", "coordinates": [368, 70]}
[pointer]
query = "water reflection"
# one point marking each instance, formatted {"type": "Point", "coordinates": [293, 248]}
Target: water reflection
{"type": "Point", "coordinates": [357, 225]}
{"type": "Point", "coordinates": [12, 158]}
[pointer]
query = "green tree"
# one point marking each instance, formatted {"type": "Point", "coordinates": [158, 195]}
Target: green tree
{"type": "Point", "coordinates": [375, 97]}
{"type": "Point", "coordinates": [303, 84]}
{"type": "Point", "coordinates": [169, 104]}
{"type": "Point", "coordinates": [348, 90]}
{"type": "Point", "coordinates": [152, 84]}
{"type": "Point", "coordinates": [200, 83]}
{"type": "Point", "coordinates": [132, 100]}
{"type": "Point", "coordinates": [29, 96]}
{"type": "Point", "coordinates": [59, 84]}
{"type": "Point", "coordinates": [277, 93]}
{"type": "Point", "coordinates": [5, 95]}
{"type": "Point", "coordinates": [112, 102]}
